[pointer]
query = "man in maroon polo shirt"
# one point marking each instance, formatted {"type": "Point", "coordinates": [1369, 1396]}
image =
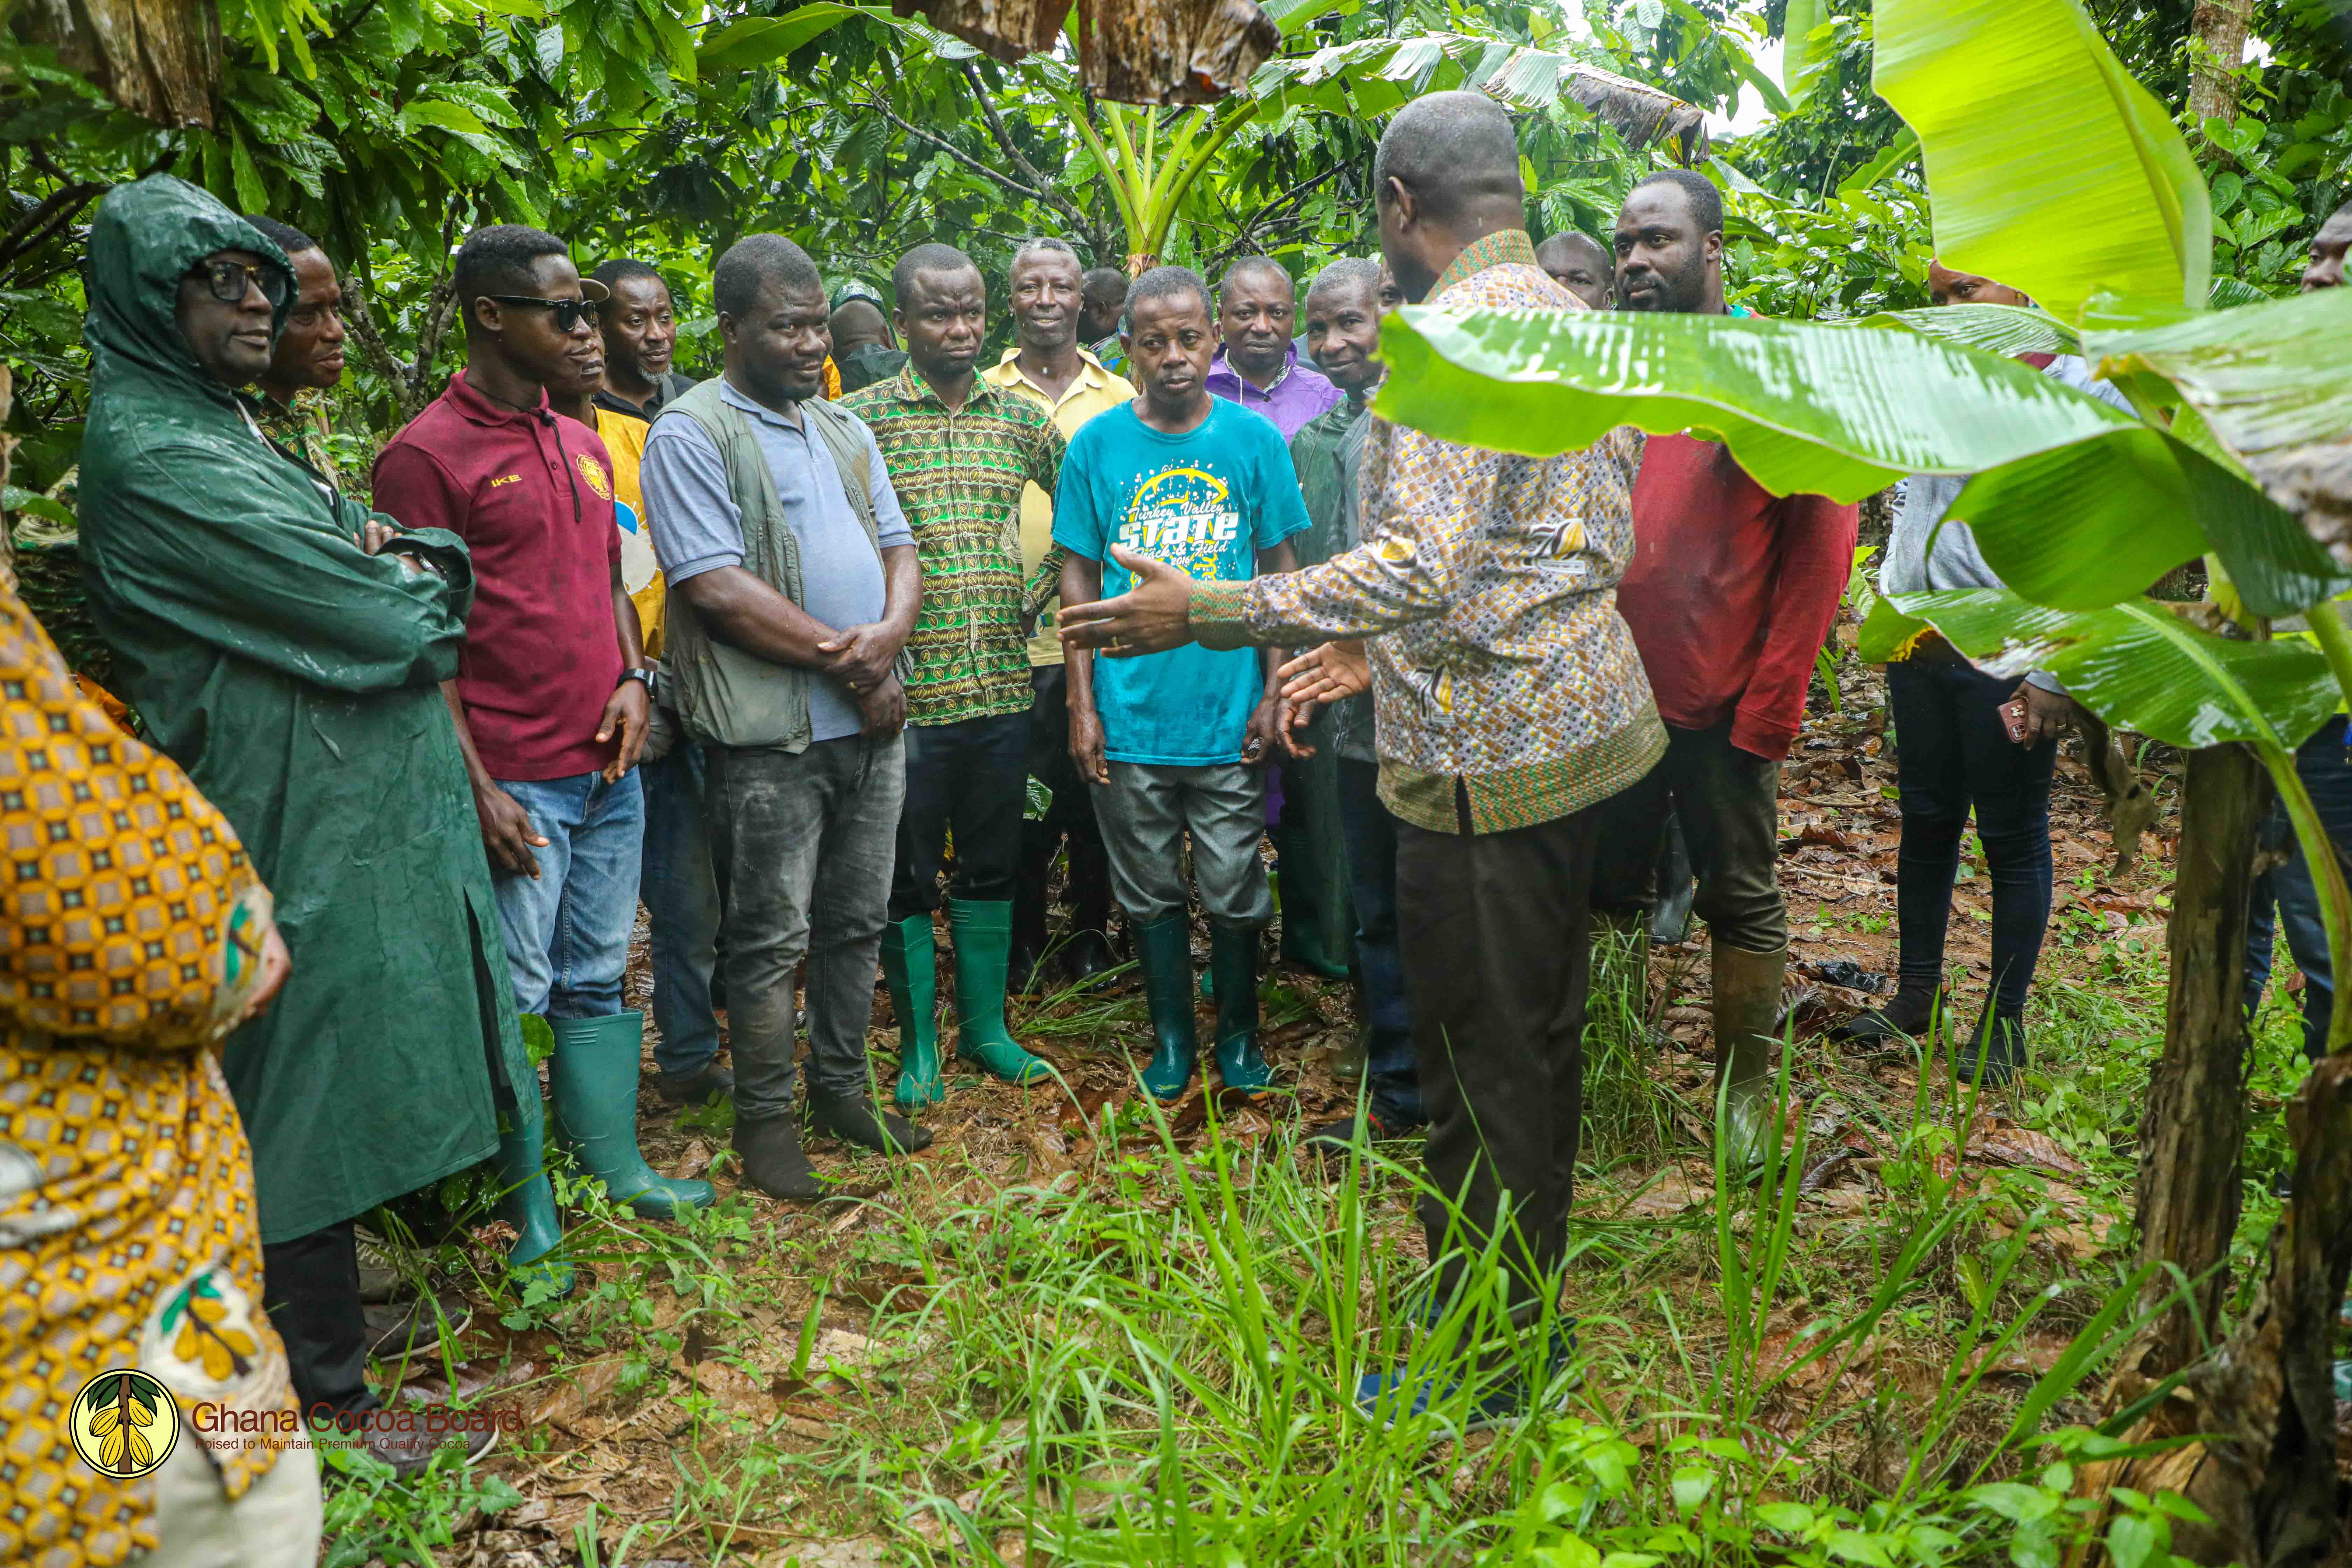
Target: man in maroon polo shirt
{"type": "Point", "coordinates": [1730, 596]}
{"type": "Point", "coordinates": [551, 694]}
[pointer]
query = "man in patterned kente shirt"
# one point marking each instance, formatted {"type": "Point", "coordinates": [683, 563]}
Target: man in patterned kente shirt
{"type": "Point", "coordinates": [960, 448]}
{"type": "Point", "coordinates": [1511, 703]}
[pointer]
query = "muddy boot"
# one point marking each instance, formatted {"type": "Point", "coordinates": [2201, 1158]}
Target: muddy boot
{"type": "Point", "coordinates": [769, 1150]}
{"type": "Point", "coordinates": [911, 969]}
{"type": "Point", "coordinates": [1747, 1021]}
{"type": "Point", "coordinates": [855, 1117]}
{"type": "Point", "coordinates": [1164, 949]}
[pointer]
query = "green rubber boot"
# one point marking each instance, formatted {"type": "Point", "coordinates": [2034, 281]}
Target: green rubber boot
{"type": "Point", "coordinates": [1233, 959]}
{"type": "Point", "coordinates": [983, 941]}
{"type": "Point", "coordinates": [527, 1202]}
{"type": "Point", "coordinates": [910, 968]}
{"type": "Point", "coordinates": [595, 1076]}
{"type": "Point", "coordinates": [1164, 950]}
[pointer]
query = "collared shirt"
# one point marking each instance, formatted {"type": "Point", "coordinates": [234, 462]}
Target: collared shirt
{"type": "Point", "coordinates": [1096, 390]}
{"type": "Point", "coordinates": [1329, 454]}
{"type": "Point", "coordinates": [532, 495]}
{"type": "Point", "coordinates": [1509, 691]}
{"type": "Point", "coordinates": [669, 387]}
{"type": "Point", "coordinates": [303, 429]}
{"type": "Point", "coordinates": [624, 443]}
{"type": "Point", "coordinates": [960, 476]}
{"type": "Point", "coordinates": [1298, 393]}
{"type": "Point", "coordinates": [698, 527]}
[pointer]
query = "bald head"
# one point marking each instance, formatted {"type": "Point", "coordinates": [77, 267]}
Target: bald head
{"type": "Point", "coordinates": [1446, 175]}
{"type": "Point", "coordinates": [1578, 263]}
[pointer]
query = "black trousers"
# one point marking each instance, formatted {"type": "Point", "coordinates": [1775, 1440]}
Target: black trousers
{"type": "Point", "coordinates": [1728, 803]}
{"type": "Point", "coordinates": [969, 779]}
{"type": "Point", "coordinates": [310, 1288]}
{"type": "Point", "coordinates": [1070, 817]}
{"type": "Point", "coordinates": [1494, 973]}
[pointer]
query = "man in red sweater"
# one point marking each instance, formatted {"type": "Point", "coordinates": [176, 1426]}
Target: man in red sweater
{"type": "Point", "coordinates": [1730, 595]}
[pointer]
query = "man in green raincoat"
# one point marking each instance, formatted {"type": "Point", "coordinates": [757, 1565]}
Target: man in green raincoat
{"type": "Point", "coordinates": [295, 673]}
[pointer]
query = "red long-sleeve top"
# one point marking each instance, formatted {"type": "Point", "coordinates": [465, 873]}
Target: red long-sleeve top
{"type": "Point", "coordinates": [1731, 592]}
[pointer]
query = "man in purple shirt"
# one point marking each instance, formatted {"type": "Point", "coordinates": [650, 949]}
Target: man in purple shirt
{"type": "Point", "coordinates": [1258, 305]}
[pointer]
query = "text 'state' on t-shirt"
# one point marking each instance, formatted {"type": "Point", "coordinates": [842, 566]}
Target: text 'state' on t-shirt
{"type": "Point", "coordinates": [1206, 501]}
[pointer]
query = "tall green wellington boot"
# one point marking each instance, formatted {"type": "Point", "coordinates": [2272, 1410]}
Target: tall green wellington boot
{"type": "Point", "coordinates": [1233, 959]}
{"type": "Point", "coordinates": [1747, 1021]}
{"type": "Point", "coordinates": [595, 1076]}
{"type": "Point", "coordinates": [910, 968]}
{"type": "Point", "coordinates": [984, 939]}
{"type": "Point", "coordinates": [1164, 950]}
{"type": "Point", "coordinates": [526, 1200]}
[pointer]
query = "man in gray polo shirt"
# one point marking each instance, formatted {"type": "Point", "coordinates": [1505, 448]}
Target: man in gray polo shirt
{"type": "Point", "coordinates": [792, 587]}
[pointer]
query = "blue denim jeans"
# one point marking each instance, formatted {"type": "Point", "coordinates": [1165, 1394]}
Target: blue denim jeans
{"type": "Point", "coordinates": [567, 929]}
{"type": "Point", "coordinates": [2325, 769]}
{"type": "Point", "coordinates": [681, 899]}
{"type": "Point", "coordinates": [1391, 1072]}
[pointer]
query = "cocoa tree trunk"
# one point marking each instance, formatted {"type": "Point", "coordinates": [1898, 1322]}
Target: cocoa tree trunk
{"type": "Point", "coordinates": [2218, 29]}
{"type": "Point", "coordinates": [2194, 1128]}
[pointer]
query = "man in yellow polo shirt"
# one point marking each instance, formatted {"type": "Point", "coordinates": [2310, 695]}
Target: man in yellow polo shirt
{"type": "Point", "coordinates": [1047, 366]}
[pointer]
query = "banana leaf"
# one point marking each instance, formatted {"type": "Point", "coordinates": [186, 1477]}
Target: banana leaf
{"type": "Point", "coordinates": [2142, 667]}
{"type": "Point", "coordinates": [2052, 170]}
{"type": "Point", "coordinates": [1826, 410]}
{"type": "Point", "coordinates": [2104, 519]}
{"type": "Point", "coordinates": [2002, 330]}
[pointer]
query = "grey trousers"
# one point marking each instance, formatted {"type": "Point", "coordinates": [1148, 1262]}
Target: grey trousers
{"type": "Point", "coordinates": [804, 848]}
{"type": "Point", "coordinates": [1145, 812]}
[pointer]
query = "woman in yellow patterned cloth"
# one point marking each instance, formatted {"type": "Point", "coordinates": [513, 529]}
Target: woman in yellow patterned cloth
{"type": "Point", "coordinates": [133, 937]}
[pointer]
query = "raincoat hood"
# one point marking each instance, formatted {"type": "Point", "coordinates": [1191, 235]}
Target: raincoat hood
{"type": "Point", "coordinates": [147, 237]}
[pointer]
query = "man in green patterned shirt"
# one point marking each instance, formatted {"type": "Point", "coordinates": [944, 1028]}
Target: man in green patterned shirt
{"type": "Point", "coordinates": [959, 450]}
{"type": "Point", "coordinates": [305, 361]}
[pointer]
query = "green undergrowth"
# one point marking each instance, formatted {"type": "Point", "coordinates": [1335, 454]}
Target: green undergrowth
{"type": "Point", "coordinates": [1149, 1355]}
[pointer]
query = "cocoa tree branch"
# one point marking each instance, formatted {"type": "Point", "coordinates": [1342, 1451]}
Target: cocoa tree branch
{"type": "Point", "coordinates": [1059, 204]}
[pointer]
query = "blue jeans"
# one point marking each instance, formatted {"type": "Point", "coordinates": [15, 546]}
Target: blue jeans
{"type": "Point", "coordinates": [2325, 769]}
{"type": "Point", "coordinates": [567, 929]}
{"type": "Point", "coordinates": [681, 900]}
{"type": "Point", "coordinates": [1390, 1069]}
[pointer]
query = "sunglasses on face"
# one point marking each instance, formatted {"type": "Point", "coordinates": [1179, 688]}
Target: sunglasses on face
{"type": "Point", "coordinates": [567, 313]}
{"type": "Point", "coordinates": [229, 280]}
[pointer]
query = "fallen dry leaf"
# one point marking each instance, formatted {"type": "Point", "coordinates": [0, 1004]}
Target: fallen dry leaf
{"type": "Point", "coordinates": [582, 1389]}
{"type": "Point", "coordinates": [1671, 1194]}
{"type": "Point", "coordinates": [737, 1392]}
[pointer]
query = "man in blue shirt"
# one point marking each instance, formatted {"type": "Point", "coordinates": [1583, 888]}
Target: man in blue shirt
{"type": "Point", "coordinates": [1176, 741]}
{"type": "Point", "coordinates": [792, 587]}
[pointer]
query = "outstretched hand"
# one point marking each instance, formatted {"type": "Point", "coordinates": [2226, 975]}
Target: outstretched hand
{"type": "Point", "coordinates": [1153, 615]}
{"type": "Point", "coordinates": [1325, 674]}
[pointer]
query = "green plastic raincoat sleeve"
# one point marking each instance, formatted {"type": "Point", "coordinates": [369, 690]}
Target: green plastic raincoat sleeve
{"type": "Point", "coordinates": [293, 594]}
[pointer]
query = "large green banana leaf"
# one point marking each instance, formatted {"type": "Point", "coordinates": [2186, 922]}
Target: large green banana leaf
{"type": "Point", "coordinates": [1804, 408]}
{"type": "Point", "coordinates": [2102, 519]}
{"type": "Point", "coordinates": [2002, 330]}
{"type": "Point", "coordinates": [2266, 377]}
{"type": "Point", "coordinates": [2051, 169]}
{"type": "Point", "coordinates": [2142, 667]}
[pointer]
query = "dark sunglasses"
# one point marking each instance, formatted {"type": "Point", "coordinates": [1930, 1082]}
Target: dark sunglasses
{"type": "Point", "coordinates": [568, 313]}
{"type": "Point", "coordinates": [228, 282]}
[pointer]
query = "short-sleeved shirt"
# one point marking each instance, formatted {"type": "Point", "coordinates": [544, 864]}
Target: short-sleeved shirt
{"type": "Point", "coordinates": [1208, 501]}
{"type": "Point", "coordinates": [698, 527]}
{"type": "Point", "coordinates": [1095, 391]}
{"type": "Point", "coordinates": [532, 495]}
{"type": "Point", "coordinates": [960, 476]}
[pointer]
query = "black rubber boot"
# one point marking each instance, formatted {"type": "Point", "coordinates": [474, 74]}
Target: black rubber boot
{"type": "Point", "coordinates": [1088, 955]}
{"type": "Point", "coordinates": [1028, 952]}
{"type": "Point", "coordinates": [1999, 1045]}
{"type": "Point", "coordinates": [864, 1123]}
{"type": "Point", "coordinates": [772, 1159]}
{"type": "Point", "coordinates": [1906, 1014]}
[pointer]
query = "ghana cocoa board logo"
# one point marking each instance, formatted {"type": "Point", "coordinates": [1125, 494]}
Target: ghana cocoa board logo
{"type": "Point", "coordinates": [124, 1424]}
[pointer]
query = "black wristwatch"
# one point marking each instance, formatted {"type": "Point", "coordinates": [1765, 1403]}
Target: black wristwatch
{"type": "Point", "coordinates": [648, 676]}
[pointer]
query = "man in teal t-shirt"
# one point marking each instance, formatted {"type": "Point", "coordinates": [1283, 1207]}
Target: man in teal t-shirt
{"type": "Point", "coordinates": [1178, 742]}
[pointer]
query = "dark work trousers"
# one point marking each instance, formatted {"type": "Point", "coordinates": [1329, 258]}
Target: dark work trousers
{"type": "Point", "coordinates": [1496, 974]}
{"type": "Point", "coordinates": [1391, 1073]}
{"type": "Point", "coordinates": [1070, 817]}
{"type": "Point", "coordinates": [1952, 750]}
{"type": "Point", "coordinates": [1728, 801]}
{"type": "Point", "coordinates": [311, 1288]}
{"type": "Point", "coordinates": [971, 780]}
